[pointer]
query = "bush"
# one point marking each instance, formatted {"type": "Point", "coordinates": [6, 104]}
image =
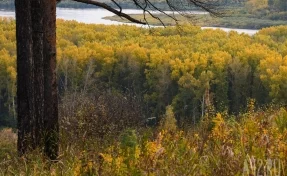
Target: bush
{"type": "Point", "coordinates": [90, 117]}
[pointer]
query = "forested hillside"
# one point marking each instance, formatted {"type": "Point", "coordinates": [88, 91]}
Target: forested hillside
{"type": "Point", "coordinates": [194, 70]}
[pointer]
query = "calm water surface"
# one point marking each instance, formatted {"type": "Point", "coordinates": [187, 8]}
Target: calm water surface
{"type": "Point", "coordinates": [95, 16]}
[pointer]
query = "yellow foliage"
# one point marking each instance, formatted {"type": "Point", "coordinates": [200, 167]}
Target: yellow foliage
{"type": "Point", "coordinates": [220, 130]}
{"type": "Point", "coordinates": [169, 122]}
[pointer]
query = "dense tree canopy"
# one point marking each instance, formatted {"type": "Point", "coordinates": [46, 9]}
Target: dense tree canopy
{"type": "Point", "coordinates": [187, 67]}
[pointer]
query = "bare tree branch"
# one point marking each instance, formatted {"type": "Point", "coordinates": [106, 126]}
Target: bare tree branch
{"type": "Point", "coordinates": [109, 8]}
{"type": "Point", "coordinates": [120, 7]}
{"type": "Point", "coordinates": [182, 7]}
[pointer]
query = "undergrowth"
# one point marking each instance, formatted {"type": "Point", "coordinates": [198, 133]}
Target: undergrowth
{"type": "Point", "coordinates": [253, 143]}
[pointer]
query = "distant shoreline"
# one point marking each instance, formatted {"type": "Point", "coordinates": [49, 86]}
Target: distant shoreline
{"type": "Point", "coordinates": [107, 18]}
{"type": "Point", "coordinates": [237, 22]}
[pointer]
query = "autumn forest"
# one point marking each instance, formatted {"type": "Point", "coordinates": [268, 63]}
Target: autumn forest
{"type": "Point", "coordinates": [178, 100]}
{"type": "Point", "coordinates": [192, 69]}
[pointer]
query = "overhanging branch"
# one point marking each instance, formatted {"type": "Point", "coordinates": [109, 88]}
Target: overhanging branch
{"type": "Point", "coordinates": [109, 8]}
{"type": "Point", "coordinates": [180, 6]}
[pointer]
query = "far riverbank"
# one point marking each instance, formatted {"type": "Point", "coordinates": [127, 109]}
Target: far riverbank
{"type": "Point", "coordinates": [100, 16]}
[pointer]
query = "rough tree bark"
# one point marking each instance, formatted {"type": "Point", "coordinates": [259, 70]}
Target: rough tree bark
{"type": "Point", "coordinates": [37, 39]}
{"type": "Point", "coordinates": [51, 126]}
{"type": "Point", "coordinates": [25, 86]}
{"type": "Point", "coordinates": [36, 79]}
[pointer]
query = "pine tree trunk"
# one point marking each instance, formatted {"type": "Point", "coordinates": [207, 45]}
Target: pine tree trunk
{"type": "Point", "coordinates": [25, 77]}
{"type": "Point", "coordinates": [51, 123]}
{"type": "Point", "coordinates": [37, 100]}
{"type": "Point", "coordinates": [37, 36]}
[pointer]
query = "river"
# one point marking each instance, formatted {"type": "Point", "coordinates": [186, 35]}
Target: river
{"type": "Point", "coordinates": [95, 16]}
